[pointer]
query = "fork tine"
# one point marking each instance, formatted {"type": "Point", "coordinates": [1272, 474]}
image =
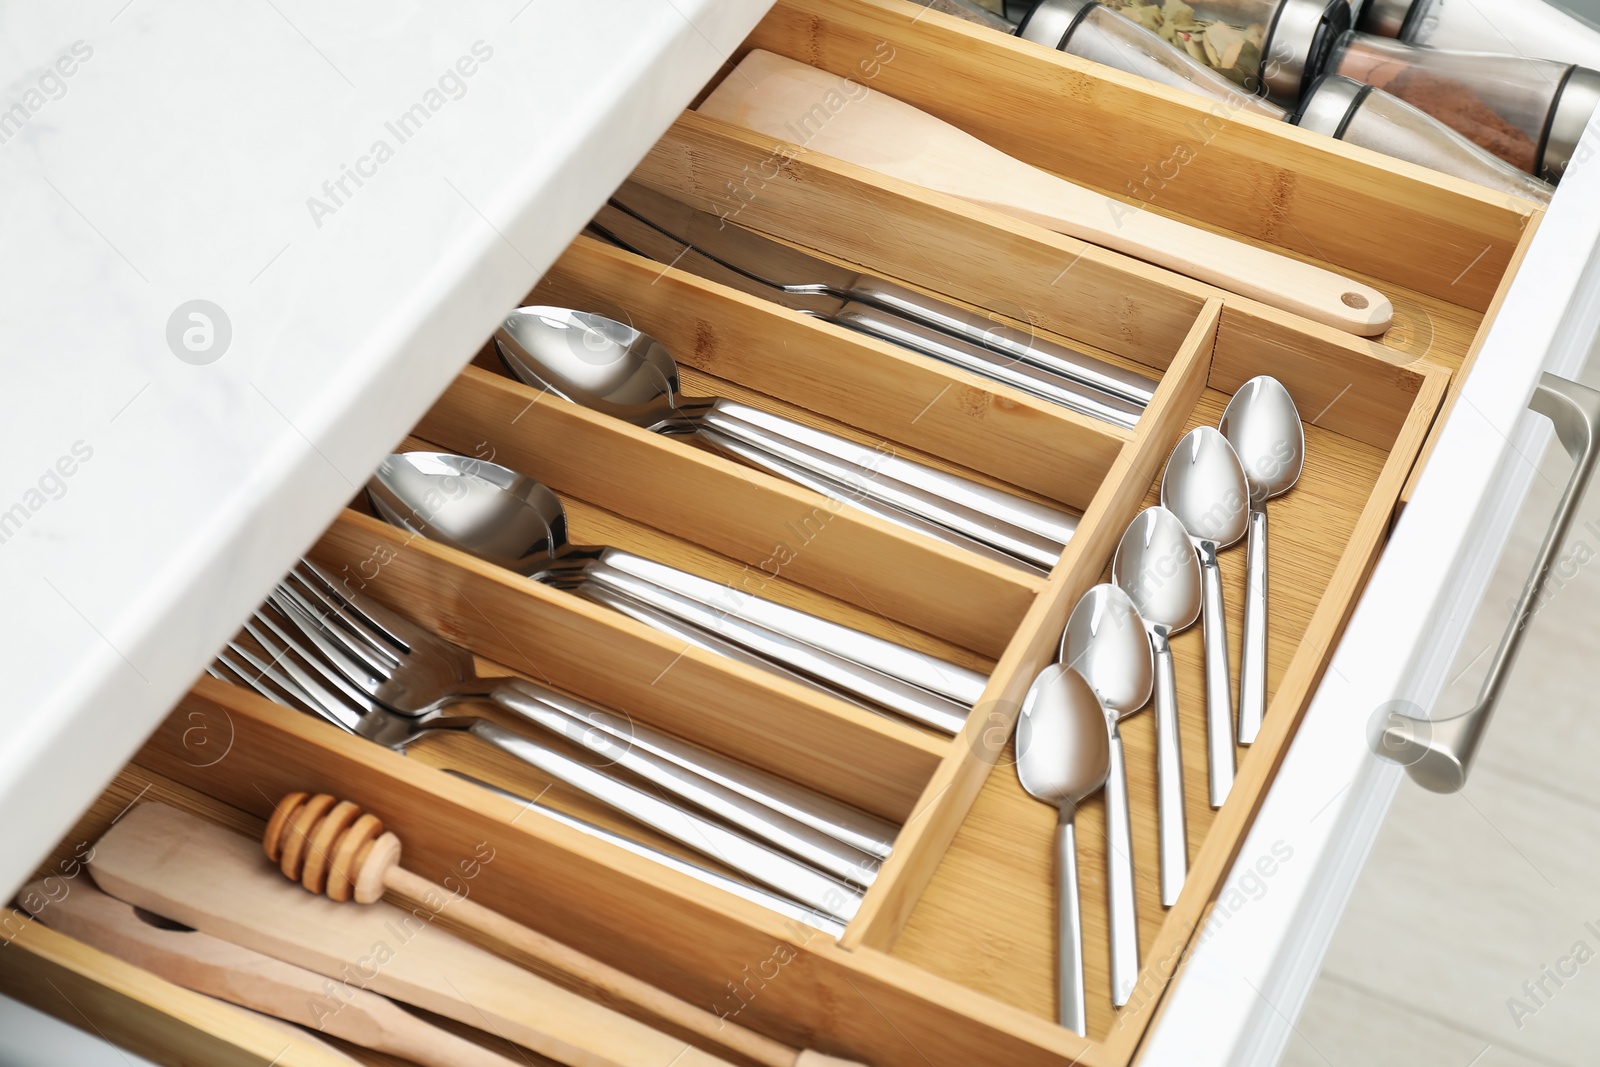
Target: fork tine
{"type": "Point", "coordinates": [347, 676]}
{"type": "Point", "coordinates": [329, 611]}
{"type": "Point", "coordinates": [364, 665]}
{"type": "Point", "coordinates": [288, 695]}
{"type": "Point", "coordinates": [283, 668]}
{"type": "Point", "coordinates": [377, 619]}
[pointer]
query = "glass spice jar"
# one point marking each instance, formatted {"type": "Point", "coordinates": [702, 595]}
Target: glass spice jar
{"type": "Point", "coordinates": [1272, 48]}
{"type": "Point", "coordinates": [1529, 112]}
{"type": "Point", "coordinates": [1090, 30]}
{"type": "Point", "coordinates": [1363, 115]}
{"type": "Point", "coordinates": [1520, 27]}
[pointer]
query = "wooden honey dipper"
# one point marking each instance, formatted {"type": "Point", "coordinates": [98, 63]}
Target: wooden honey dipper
{"type": "Point", "coordinates": [333, 848]}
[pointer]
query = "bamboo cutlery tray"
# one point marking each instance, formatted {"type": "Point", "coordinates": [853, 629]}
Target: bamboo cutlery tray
{"type": "Point", "coordinates": [951, 958]}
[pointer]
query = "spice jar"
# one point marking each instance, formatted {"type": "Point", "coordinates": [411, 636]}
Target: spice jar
{"type": "Point", "coordinates": [970, 10]}
{"type": "Point", "coordinates": [1521, 27]}
{"type": "Point", "coordinates": [1362, 115]}
{"type": "Point", "coordinates": [1273, 48]}
{"type": "Point", "coordinates": [1529, 112]}
{"type": "Point", "coordinates": [1089, 30]}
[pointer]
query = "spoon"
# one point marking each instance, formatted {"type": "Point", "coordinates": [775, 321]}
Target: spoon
{"type": "Point", "coordinates": [1105, 642]}
{"type": "Point", "coordinates": [1205, 487]}
{"type": "Point", "coordinates": [610, 367]}
{"type": "Point", "coordinates": [1263, 426]}
{"type": "Point", "coordinates": [511, 520]}
{"type": "Point", "coordinates": [1062, 757]}
{"type": "Point", "coordinates": [1158, 569]}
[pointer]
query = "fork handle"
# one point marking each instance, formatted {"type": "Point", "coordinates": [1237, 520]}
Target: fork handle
{"type": "Point", "coordinates": [790, 877]}
{"type": "Point", "coordinates": [955, 683]}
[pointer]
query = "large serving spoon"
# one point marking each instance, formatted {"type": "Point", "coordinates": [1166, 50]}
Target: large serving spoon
{"type": "Point", "coordinates": [1062, 757]}
{"type": "Point", "coordinates": [610, 367]}
{"type": "Point", "coordinates": [833, 115]}
{"type": "Point", "coordinates": [1105, 642]}
{"type": "Point", "coordinates": [1205, 487]}
{"type": "Point", "coordinates": [511, 520]}
{"type": "Point", "coordinates": [1157, 567]}
{"type": "Point", "coordinates": [1263, 426]}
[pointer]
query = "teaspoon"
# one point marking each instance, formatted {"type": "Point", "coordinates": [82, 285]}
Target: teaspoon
{"type": "Point", "coordinates": [1105, 642]}
{"type": "Point", "coordinates": [1158, 569]}
{"type": "Point", "coordinates": [1205, 487]}
{"type": "Point", "coordinates": [1062, 757]}
{"type": "Point", "coordinates": [1264, 428]}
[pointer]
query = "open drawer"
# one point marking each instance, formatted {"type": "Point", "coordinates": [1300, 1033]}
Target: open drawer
{"type": "Point", "coordinates": [950, 958]}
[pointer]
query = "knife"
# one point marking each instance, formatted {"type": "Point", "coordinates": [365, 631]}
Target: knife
{"type": "Point", "coordinates": [668, 231]}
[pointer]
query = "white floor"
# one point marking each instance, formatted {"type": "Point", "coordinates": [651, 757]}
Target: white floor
{"type": "Point", "coordinates": [1467, 897]}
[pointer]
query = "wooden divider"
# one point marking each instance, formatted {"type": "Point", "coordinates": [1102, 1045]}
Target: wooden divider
{"type": "Point", "coordinates": [949, 794]}
{"type": "Point", "coordinates": [1163, 149]}
{"type": "Point", "coordinates": [892, 394]}
{"type": "Point", "coordinates": [869, 760]}
{"type": "Point", "coordinates": [936, 242]}
{"type": "Point", "coordinates": [774, 527]}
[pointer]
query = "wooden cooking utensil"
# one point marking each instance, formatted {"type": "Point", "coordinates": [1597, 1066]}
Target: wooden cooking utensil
{"type": "Point", "coordinates": [331, 847]}
{"type": "Point", "coordinates": [252, 980]}
{"type": "Point", "coordinates": [178, 865]}
{"type": "Point", "coordinates": [838, 117]}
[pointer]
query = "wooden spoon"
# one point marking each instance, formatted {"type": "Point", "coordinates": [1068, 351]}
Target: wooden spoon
{"type": "Point", "coordinates": [252, 980]}
{"type": "Point", "coordinates": [838, 117]}
{"type": "Point", "coordinates": [178, 865]}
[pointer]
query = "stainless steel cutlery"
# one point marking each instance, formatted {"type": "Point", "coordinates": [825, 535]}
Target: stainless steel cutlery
{"type": "Point", "coordinates": [1204, 486]}
{"type": "Point", "coordinates": [513, 521]}
{"type": "Point", "coordinates": [671, 232]}
{"type": "Point", "coordinates": [612, 368]}
{"type": "Point", "coordinates": [337, 654]}
{"type": "Point", "coordinates": [1263, 426]}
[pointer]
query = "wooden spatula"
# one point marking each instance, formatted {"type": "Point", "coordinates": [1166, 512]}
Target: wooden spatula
{"type": "Point", "coordinates": [189, 870]}
{"type": "Point", "coordinates": [252, 980]}
{"type": "Point", "coordinates": [837, 117]}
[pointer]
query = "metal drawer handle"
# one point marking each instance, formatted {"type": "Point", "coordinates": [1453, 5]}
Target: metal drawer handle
{"type": "Point", "coordinates": [1439, 753]}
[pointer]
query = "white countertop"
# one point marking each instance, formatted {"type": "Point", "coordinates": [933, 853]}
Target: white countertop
{"type": "Point", "coordinates": [146, 499]}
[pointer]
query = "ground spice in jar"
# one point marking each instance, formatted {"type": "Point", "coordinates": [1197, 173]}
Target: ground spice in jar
{"type": "Point", "coordinates": [1464, 111]}
{"type": "Point", "coordinates": [1452, 102]}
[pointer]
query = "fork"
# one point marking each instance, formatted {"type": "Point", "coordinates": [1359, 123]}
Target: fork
{"type": "Point", "coordinates": [283, 668]}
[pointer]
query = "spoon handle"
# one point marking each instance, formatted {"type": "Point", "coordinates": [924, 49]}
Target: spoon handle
{"type": "Point", "coordinates": [992, 508]}
{"type": "Point", "coordinates": [1071, 1011]}
{"type": "Point", "coordinates": [1219, 690]}
{"type": "Point", "coordinates": [1120, 893]}
{"type": "Point", "coordinates": [1253, 662]}
{"type": "Point", "coordinates": [1169, 775]}
{"type": "Point", "coordinates": [955, 683]}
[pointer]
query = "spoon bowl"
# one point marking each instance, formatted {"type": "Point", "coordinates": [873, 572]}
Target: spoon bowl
{"type": "Point", "coordinates": [597, 363]}
{"type": "Point", "coordinates": [1264, 428]}
{"type": "Point", "coordinates": [1205, 487]}
{"type": "Point", "coordinates": [479, 507]}
{"type": "Point", "coordinates": [1063, 750]}
{"type": "Point", "coordinates": [1157, 567]}
{"type": "Point", "coordinates": [1105, 641]}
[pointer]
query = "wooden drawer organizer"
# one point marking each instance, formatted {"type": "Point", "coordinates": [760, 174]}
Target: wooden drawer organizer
{"type": "Point", "coordinates": [950, 959]}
